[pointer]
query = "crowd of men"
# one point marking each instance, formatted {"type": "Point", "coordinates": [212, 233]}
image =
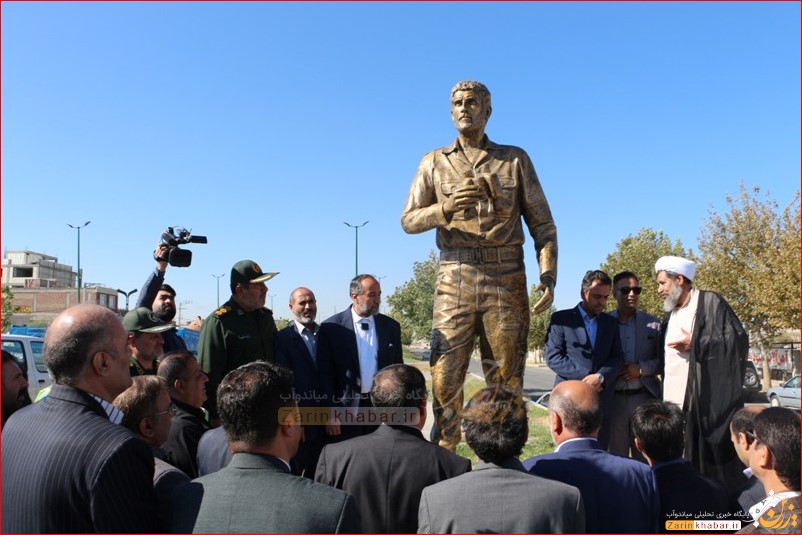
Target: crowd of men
{"type": "Point", "coordinates": [317, 428]}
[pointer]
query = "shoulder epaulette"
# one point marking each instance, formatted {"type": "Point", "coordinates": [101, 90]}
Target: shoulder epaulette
{"type": "Point", "coordinates": [222, 310]}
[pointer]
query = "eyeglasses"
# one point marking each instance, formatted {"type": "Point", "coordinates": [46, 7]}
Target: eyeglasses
{"type": "Point", "coordinates": [626, 289]}
{"type": "Point", "coordinates": [170, 408]}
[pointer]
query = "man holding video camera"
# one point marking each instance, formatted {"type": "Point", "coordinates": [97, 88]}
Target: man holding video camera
{"type": "Point", "coordinates": [160, 298]}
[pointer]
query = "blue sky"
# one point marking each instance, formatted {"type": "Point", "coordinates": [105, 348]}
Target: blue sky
{"type": "Point", "coordinates": [264, 126]}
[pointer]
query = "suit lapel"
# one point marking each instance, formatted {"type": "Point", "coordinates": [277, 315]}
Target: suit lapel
{"type": "Point", "coordinates": [579, 324]}
{"type": "Point", "coordinates": [347, 321]}
{"type": "Point", "coordinates": [298, 340]}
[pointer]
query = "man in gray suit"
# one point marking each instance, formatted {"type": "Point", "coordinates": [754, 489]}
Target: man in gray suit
{"type": "Point", "coordinates": [637, 381]}
{"type": "Point", "coordinates": [386, 471]}
{"type": "Point", "coordinates": [256, 493]}
{"type": "Point", "coordinates": [495, 426]}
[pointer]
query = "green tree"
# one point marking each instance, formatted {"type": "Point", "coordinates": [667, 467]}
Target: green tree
{"type": "Point", "coordinates": [750, 255]}
{"type": "Point", "coordinates": [538, 323]}
{"type": "Point", "coordinates": [412, 304]}
{"type": "Point", "coordinates": [282, 323]}
{"type": "Point", "coordinates": [8, 307]}
{"type": "Point", "coordinates": [638, 254]}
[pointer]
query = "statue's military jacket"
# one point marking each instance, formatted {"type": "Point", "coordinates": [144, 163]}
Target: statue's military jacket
{"type": "Point", "coordinates": [513, 190]}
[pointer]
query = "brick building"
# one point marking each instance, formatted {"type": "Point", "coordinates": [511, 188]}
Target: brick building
{"type": "Point", "coordinates": [42, 287]}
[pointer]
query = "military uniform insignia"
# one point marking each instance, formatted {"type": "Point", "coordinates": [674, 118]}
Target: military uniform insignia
{"type": "Point", "coordinates": [222, 310]}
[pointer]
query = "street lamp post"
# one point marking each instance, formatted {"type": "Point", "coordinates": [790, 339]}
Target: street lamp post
{"type": "Point", "coordinates": [218, 287]}
{"type": "Point", "coordinates": [271, 300]}
{"type": "Point", "coordinates": [127, 296]}
{"type": "Point", "coordinates": [78, 228]}
{"type": "Point", "coordinates": [356, 244]}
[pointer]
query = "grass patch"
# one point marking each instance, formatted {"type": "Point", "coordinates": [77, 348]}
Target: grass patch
{"type": "Point", "coordinates": [539, 441]}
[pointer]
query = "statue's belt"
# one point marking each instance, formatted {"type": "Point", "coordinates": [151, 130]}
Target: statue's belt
{"type": "Point", "coordinates": [482, 255]}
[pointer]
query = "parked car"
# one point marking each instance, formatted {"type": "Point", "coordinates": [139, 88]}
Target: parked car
{"type": "Point", "coordinates": [751, 376]}
{"type": "Point", "coordinates": [28, 352]}
{"type": "Point", "coordinates": [785, 395]}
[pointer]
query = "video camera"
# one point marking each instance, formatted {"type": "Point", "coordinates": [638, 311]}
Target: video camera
{"type": "Point", "coordinates": [175, 236]}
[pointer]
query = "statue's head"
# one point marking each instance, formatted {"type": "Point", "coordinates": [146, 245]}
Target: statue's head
{"type": "Point", "coordinates": [470, 106]}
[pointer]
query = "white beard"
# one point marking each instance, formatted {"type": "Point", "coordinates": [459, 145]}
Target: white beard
{"type": "Point", "coordinates": [670, 302]}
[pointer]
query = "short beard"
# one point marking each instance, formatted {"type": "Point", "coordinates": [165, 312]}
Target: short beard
{"type": "Point", "coordinates": [365, 311]}
{"type": "Point", "coordinates": [306, 322]}
{"type": "Point", "coordinates": [166, 315]}
{"type": "Point", "coordinates": [670, 302]}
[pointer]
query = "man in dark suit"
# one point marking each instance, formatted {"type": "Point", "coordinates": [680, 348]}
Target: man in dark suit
{"type": "Point", "coordinates": [256, 493]}
{"type": "Point", "coordinates": [385, 471]}
{"type": "Point", "coordinates": [499, 496]}
{"type": "Point", "coordinates": [751, 490]}
{"type": "Point", "coordinates": [359, 342]}
{"type": "Point", "coordinates": [638, 381]}
{"type": "Point", "coordinates": [148, 414]}
{"type": "Point", "coordinates": [186, 383]}
{"type": "Point", "coordinates": [296, 349]}
{"type": "Point", "coordinates": [583, 344]}
{"type": "Point", "coordinates": [67, 466]}
{"type": "Point", "coordinates": [659, 428]}
{"type": "Point", "coordinates": [607, 482]}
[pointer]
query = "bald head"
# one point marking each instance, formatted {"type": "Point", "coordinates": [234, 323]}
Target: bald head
{"type": "Point", "coordinates": [303, 306]}
{"type": "Point", "coordinates": [85, 347]}
{"type": "Point", "coordinates": [577, 406]}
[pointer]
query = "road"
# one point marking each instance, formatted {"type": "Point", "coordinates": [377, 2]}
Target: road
{"type": "Point", "coordinates": [539, 379]}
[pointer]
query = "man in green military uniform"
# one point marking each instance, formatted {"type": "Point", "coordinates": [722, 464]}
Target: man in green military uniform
{"type": "Point", "coordinates": [240, 331]}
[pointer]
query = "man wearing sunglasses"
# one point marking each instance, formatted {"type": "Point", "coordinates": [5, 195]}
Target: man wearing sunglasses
{"type": "Point", "coordinates": [637, 381]}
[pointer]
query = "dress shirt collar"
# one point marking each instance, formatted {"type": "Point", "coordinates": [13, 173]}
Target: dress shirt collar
{"type": "Point", "coordinates": [115, 415]}
{"type": "Point", "coordinates": [300, 327]}
{"type": "Point", "coordinates": [357, 318]}
{"type": "Point", "coordinates": [584, 314]}
{"type": "Point", "coordinates": [632, 318]}
{"type": "Point", "coordinates": [592, 442]}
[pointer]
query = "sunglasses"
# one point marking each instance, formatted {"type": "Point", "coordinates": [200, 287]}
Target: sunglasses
{"type": "Point", "coordinates": [626, 289]}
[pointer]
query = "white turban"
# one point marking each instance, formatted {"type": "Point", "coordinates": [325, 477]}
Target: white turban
{"type": "Point", "coordinates": [676, 264]}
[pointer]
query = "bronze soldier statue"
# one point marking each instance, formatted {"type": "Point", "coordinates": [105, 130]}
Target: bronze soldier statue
{"type": "Point", "coordinates": [474, 193]}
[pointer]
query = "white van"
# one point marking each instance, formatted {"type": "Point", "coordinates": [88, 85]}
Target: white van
{"type": "Point", "coordinates": [28, 352]}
